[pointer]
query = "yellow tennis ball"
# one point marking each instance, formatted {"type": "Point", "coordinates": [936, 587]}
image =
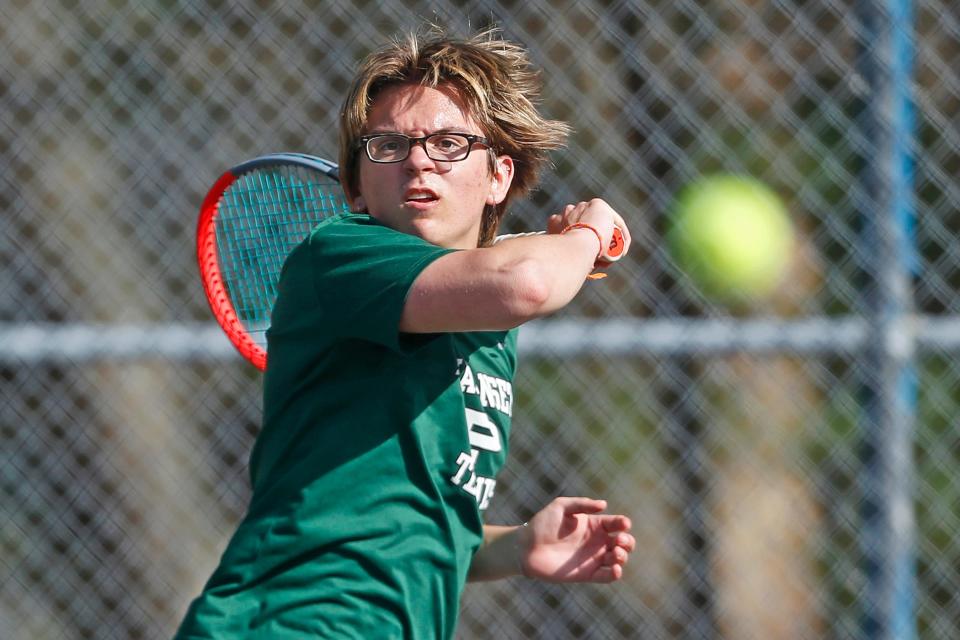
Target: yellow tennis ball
{"type": "Point", "coordinates": [732, 235]}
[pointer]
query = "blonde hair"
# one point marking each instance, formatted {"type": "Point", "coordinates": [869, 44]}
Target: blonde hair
{"type": "Point", "coordinates": [493, 77]}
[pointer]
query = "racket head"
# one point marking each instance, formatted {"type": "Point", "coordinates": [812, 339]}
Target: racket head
{"type": "Point", "coordinates": [250, 220]}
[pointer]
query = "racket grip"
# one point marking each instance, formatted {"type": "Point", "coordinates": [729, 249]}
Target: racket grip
{"type": "Point", "coordinates": [615, 251]}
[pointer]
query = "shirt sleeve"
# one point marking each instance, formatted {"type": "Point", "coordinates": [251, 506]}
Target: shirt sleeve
{"type": "Point", "coordinates": [358, 273]}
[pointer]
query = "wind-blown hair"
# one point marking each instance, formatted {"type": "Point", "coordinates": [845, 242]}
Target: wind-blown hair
{"type": "Point", "coordinates": [496, 81]}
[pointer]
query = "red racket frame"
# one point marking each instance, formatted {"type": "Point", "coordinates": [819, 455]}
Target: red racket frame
{"type": "Point", "coordinates": [207, 256]}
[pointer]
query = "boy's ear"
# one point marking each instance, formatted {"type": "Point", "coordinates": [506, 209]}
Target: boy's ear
{"type": "Point", "coordinates": [500, 180]}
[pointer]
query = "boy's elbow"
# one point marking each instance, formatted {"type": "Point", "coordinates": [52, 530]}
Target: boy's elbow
{"type": "Point", "coordinates": [530, 291]}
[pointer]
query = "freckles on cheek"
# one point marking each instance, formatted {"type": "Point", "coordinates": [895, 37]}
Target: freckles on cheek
{"type": "Point", "coordinates": [480, 183]}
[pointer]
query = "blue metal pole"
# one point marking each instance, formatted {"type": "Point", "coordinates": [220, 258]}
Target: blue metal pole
{"type": "Point", "coordinates": [886, 202]}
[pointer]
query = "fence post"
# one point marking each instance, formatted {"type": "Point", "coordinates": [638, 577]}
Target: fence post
{"type": "Point", "coordinates": [890, 385]}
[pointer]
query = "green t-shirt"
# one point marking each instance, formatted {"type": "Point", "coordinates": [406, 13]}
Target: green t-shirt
{"type": "Point", "coordinates": [377, 456]}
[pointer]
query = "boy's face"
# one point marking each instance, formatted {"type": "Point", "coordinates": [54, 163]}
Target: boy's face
{"type": "Point", "coordinates": [441, 202]}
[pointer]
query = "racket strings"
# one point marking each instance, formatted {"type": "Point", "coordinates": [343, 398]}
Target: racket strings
{"type": "Point", "coordinates": [262, 217]}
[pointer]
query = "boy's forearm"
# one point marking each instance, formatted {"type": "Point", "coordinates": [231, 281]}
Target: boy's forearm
{"type": "Point", "coordinates": [499, 555]}
{"type": "Point", "coordinates": [500, 287]}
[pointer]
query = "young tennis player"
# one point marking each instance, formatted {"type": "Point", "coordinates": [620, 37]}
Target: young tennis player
{"type": "Point", "coordinates": [388, 392]}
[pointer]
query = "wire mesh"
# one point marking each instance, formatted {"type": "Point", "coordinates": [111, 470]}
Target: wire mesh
{"type": "Point", "coordinates": [746, 470]}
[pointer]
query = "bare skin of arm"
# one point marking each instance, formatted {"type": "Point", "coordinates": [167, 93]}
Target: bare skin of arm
{"type": "Point", "coordinates": [503, 286]}
{"type": "Point", "coordinates": [569, 540]}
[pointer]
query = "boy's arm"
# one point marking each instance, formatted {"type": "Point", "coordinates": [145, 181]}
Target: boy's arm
{"type": "Point", "coordinates": [569, 540]}
{"type": "Point", "coordinates": [503, 286]}
{"type": "Point", "coordinates": [499, 554]}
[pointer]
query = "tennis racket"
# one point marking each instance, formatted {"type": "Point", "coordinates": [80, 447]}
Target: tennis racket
{"type": "Point", "coordinates": [252, 217]}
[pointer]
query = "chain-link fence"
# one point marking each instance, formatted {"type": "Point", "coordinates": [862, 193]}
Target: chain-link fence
{"type": "Point", "coordinates": [790, 465]}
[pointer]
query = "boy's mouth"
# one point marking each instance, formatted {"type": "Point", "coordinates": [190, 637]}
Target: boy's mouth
{"type": "Point", "coordinates": [420, 196]}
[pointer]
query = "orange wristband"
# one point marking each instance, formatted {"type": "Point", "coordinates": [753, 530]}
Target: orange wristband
{"type": "Point", "coordinates": [581, 225]}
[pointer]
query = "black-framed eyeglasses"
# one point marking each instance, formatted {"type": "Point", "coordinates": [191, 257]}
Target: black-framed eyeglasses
{"type": "Point", "coordinates": [395, 147]}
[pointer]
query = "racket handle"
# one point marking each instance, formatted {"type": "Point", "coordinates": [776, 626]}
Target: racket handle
{"type": "Point", "coordinates": [617, 244]}
{"type": "Point", "coordinates": [613, 253]}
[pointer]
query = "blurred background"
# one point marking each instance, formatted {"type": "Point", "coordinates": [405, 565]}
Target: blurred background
{"type": "Point", "coordinates": [790, 461]}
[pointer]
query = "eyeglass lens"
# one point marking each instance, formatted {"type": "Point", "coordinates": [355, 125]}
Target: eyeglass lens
{"type": "Point", "coordinates": [439, 146]}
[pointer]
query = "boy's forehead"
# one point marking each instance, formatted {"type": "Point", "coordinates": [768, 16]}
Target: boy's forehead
{"type": "Point", "coordinates": [418, 107]}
